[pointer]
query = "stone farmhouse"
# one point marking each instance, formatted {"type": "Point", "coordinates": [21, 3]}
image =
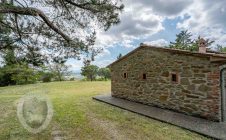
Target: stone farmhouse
{"type": "Point", "coordinates": [178, 80]}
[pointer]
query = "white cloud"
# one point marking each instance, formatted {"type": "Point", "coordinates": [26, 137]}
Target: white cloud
{"type": "Point", "coordinates": [103, 63]}
{"type": "Point", "coordinates": [136, 23]}
{"type": "Point", "coordinates": [159, 43]}
{"type": "Point", "coordinates": [104, 53]}
{"type": "Point", "coordinates": [140, 20]}
{"type": "Point", "coordinates": [169, 8]}
{"type": "Point", "coordinates": [206, 18]}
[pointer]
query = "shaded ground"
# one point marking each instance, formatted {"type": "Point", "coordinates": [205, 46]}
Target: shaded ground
{"type": "Point", "coordinates": [78, 117]}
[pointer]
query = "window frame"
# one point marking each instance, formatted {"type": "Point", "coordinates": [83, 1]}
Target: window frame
{"type": "Point", "coordinates": [125, 75]}
{"type": "Point", "coordinates": [177, 77]}
{"type": "Point", "coordinates": [144, 76]}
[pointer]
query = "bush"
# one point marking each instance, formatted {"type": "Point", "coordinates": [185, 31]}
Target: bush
{"type": "Point", "coordinates": [47, 77]}
{"type": "Point", "coordinates": [23, 74]}
{"type": "Point", "coordinates": [72, 79]}
{"type": "Point", "coordinates": [6, 78]}
{"type": "Point", "coordinates": [100, 79]}
{"type": "Point", "coordinates": [17, 74]}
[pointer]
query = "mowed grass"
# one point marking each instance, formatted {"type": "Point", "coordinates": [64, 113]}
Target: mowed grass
{"type": "Point", "coordinates": [79, 117]}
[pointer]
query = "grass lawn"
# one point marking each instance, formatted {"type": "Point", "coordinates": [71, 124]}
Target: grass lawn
{"type": "Point", "coordinates": [78, 117]}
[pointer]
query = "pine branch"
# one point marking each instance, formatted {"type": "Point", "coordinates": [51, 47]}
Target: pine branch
{"type": "Point", "coordinates": [34, 12]}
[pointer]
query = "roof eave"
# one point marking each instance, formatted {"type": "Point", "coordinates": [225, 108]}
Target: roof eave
{"type": "Point", "coordinates": [214, 58]}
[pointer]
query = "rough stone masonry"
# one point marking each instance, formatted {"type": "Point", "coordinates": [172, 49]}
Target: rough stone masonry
{"type": "Point", "coordinates": [177, 80]}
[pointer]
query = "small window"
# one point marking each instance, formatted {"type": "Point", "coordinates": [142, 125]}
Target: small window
{"type": "Point", "coordinates": [144, 76]}
{"type": "Point", "coordinates": [174, 77]}
{"type": "Point", "coordinates": [125, 75]}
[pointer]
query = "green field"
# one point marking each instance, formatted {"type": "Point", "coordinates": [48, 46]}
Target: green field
{"type": "Point", "coordinates": [77, 116]}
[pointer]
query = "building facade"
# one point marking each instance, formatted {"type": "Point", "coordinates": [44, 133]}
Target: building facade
{"type": "Point", "coordinates": [182, 81]}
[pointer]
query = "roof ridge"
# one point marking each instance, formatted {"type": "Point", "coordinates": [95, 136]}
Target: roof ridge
{"type": "Point", "coordinates": [198, 54]}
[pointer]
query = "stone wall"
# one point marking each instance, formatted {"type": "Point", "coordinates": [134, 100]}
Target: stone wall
{"type": "Point", "coordinates": [197, 92]}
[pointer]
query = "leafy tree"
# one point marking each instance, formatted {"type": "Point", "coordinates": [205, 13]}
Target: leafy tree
{"type": "Point", "coordinates": [23, 74]}
{"type": "Point", "coordinates": [63, 28]}
{"type": "Point", "coordinates": [9, 57]}
{"type": "Point", "coordinates": [220, 48]}
{"type": "Point", "coordinates": [18, 74]}
{"type": "Point", "coordinates": [6, 77]}
{"type": "Point", "coordinates": [17, 67]}
{"type": "Point", "coordinates": [104, 73]}
{"type": "Point", "coordinates": [15, 70]}
{"type": "Point", "coordinates": [183, 41]}
{"type": "Point", "coordinates": [59, 70]}
{"type": "Point", "coordinates": [119, 56]}
{"type": "Point", "coordinates": [90, 71]}
{"type": "Point", "coordinates": [47, 77]}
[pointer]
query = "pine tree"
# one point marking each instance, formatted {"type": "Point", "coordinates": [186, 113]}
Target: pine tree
{"type": "Point", "coordinates": [183, 41]}
{"type": "Point", "coordinates": [62, 27]}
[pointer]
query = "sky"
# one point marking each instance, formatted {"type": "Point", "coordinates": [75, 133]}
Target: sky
{"type": "Point", "coordinates": [156, 22]}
